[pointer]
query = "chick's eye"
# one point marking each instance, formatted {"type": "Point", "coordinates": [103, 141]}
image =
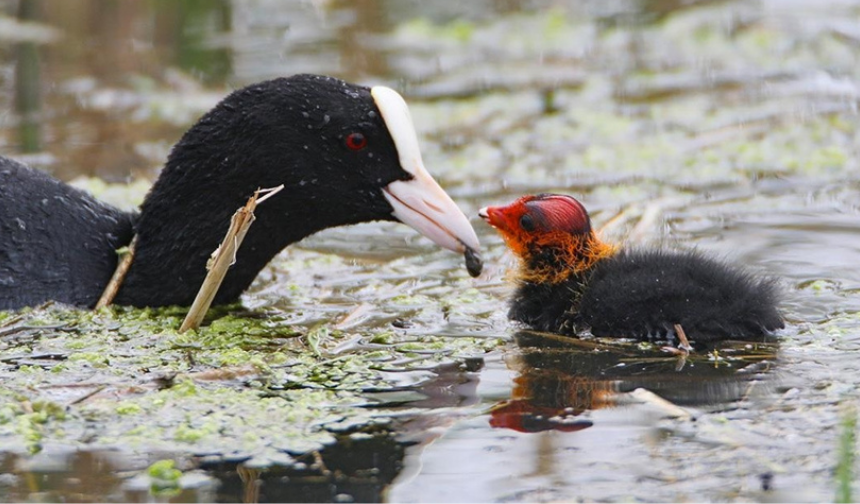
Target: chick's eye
{"type": "Point", "coordinates": [356, 141]}
{"type": "Point", "coordinates": [527, 223]}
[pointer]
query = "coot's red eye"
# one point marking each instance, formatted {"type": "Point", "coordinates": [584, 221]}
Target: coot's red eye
{"type": "Point", "coordinates": [356, 141]}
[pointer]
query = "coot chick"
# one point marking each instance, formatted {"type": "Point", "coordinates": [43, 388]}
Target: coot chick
{"type": "Point", "coordinates": [570, 281]}
{"type": "Point", "coordinates": [345, 154]}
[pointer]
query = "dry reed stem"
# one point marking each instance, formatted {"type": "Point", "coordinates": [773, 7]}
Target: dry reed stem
{"type": "Point", "coordinates": [223, 257]}
{"type": "Point", "coordinates": [682, 336]}
{"type": "Point", "coordinates": [122, 267]}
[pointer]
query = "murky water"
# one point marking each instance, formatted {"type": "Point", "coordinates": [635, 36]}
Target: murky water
{"type": "Point", "coordinates": [730, 127]}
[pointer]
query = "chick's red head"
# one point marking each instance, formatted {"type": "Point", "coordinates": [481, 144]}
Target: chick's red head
{"type": "Point", "coordinates": [550, 233]}
{"type": "Point", "coordinates": [542, 220]}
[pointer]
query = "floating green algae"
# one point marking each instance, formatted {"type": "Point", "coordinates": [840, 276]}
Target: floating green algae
{"type": "Point", "coordinates": [736, 124]}
{"type": "Point", "coordinates": [164, 478]}
{"type": "Point", "coordinates": [245, 385]}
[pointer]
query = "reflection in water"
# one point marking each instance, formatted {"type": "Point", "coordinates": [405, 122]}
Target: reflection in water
{"type": "Point", "coordinates": [560, 378]}
{"type": "Point", "coordinates": [543, 400]}
{"type": "Point", "coordinates": [452, 385]}
{"type": "Point", "coordinates": [113, 56]}
{"type": "Point", "coordinates": [357, 469]}
{"type": "Point", "coordinates": [28, 96]}
{"type": "Point", "coordinates": [83, 476]}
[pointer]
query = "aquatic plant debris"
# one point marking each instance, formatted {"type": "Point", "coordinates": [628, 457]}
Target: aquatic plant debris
{"type": "Point", "coordinates": [738, 118]}
{"type": "Point", "coordinates": [222, 258]}
{"type": "Point", "coordinates": [244, 386]}
{"type": "Point", "coordinates": [164, 478]}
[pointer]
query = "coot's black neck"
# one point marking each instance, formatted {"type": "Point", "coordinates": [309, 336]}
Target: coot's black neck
{"type": "Point", "coordinates": [211, 173]}
{"type": "Point", "coordinates": [177, 235]}
{"type": "Point", "coordinates": [187, 213]}
{"type": "Point", "coordinates": [171, 254]}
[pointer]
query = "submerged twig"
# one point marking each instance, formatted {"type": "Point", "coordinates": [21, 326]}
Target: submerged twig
{"type": "Point", "coordinates": [552, 340]}
{"type": "Point", "coordinates": [122, 267]}
{"type": "Point", "coordinates": [250, 482]}
{"type": "Point", "coordinates": [682, 337]}
{"type": "Point", "coordinates": [9, 331]}
{"type": "Point", "coordinates": [221, 374]}
{"type": "Point", "coordinates": [224, 257]}
{"type": "Point", "coordinates": [355, 317]}
{"type": "Point", "coordinates": [87, 395]}
{"type": "Point", "coordinates": [11, 320]}
{"type": "Point", "coordinates": [669, 409]}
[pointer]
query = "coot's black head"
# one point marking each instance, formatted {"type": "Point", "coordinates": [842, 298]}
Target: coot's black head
{"type": "Point", "coordinates": [344, 153]}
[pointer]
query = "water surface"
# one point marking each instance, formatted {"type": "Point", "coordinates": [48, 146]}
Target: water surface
{"type": "Point", "coordinates": [729, 126]}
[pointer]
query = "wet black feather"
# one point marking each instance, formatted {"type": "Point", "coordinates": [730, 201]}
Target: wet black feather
{"type": "Point", "coordinates": [58, 243]}
{"type": "Point", "coordinates": [643, 293]}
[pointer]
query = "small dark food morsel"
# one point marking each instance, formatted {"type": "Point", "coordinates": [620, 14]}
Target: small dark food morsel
{"type": "Point", "coordinates": [474, 263]}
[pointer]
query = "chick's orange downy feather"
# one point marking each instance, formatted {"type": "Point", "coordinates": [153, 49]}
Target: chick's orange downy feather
{"type": "Point", "coordinates": [558, 242]}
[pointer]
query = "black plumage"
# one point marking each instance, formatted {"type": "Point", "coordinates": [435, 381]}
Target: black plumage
{"type": "Point", "coordinates": [55, 241]}
{"type": "Point", "coordinates": [327, 141]}
{"type": "Point", "coordinates": [584, 284]}
{"type": "Point", "coordinates": [643, 293]}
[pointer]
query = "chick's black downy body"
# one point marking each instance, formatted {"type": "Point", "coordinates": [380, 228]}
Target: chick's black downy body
{"type": "Point", "coordinates": [643, 293]}
{"type": "Point", "coordinates": [569, 281]}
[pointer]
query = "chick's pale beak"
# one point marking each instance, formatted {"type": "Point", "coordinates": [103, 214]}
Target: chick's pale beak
{"type": "Point", "coordinates": [419, 202]}
{"type": "Point", "coordinates": [494, 216]}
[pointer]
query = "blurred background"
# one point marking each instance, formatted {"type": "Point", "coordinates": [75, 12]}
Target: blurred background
{"type": "Point", "coordinates": [727, 126]}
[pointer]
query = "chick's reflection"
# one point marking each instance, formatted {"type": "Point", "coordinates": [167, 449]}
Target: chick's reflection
{"type": "Point", "coordinates": [560, 378]}
{"type": "Point", "coordinates": [545, 400]}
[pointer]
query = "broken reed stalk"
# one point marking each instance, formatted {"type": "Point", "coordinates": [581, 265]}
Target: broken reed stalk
{"type": "Point", "coordinates": [223, 257]}
{"type": "Point", "coordinates": [126, 256]}
{"type": "Point", "coordinates": [682, 338]}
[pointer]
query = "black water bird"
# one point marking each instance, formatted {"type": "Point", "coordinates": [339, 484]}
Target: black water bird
{"type": "Point", "coordinates": [345, 154]}
{"type": "Point", "coordinates": [570, 281]}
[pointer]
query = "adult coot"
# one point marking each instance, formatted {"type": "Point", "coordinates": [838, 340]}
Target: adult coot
{"type": "Point", "coordinates": [345, 154]}
{"type": "Point", "coordinates": [570, 281]}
